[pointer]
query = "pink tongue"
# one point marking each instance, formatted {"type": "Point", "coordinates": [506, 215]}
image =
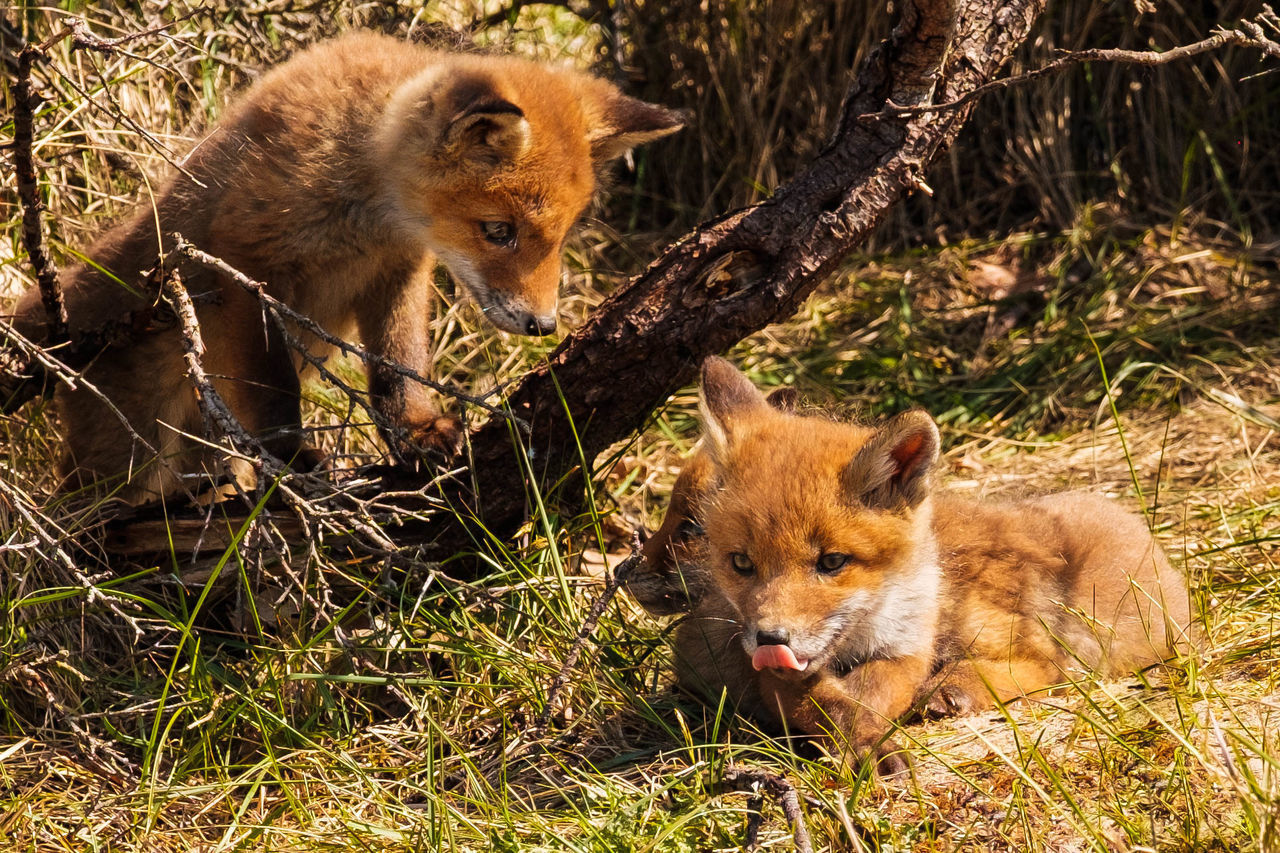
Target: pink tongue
{"type": "Point", "coordinates": [776, 657]}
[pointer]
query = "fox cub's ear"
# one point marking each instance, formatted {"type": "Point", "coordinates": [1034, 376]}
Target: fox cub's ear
{"type": "Point", "coordinates": [726, 395]}
{"type": "Point", "coordinates": [483, 127]}
{"type": "Point", "coordinates": [893, 469]}
{"type": "Point", "coordinates": [626, 122]}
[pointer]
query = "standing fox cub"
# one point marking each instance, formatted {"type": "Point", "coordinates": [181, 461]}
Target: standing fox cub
{"type": "Point", "coordinates": [339, 179]}
{"type": "Point", "coordinates": [834, 589]}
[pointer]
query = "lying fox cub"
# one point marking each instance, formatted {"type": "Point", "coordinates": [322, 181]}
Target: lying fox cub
{"type": "Point", "coordinates": [340, 179]}
{"type": "Point", "coordinates": [836, 590]}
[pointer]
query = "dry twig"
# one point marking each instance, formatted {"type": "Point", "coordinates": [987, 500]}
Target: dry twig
{"type": "Point", "coordinates": [188, 249]}
{"type": "Point", "coordinates": [613, 582]}
{"type": "Point", "coordinates": [21, 380]}
{"type": "Point", "coordinates": [755, 781]}
{"type": "Point", "coordinates": [36, 356]}
{"type": "Point", "coordinates": [215, 409]}
{"type": "Point", "coordinates": [25, 102]}
{"type": "Point", "coordinates": [28, 671]}
{"type": "Point", "coordinates": [82, 38]}
{"type": "Point", "coordinates": [1245, 34]}
{"type": "Point", "coordinates": [282, 310]}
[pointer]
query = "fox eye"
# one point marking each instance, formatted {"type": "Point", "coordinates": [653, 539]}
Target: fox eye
{"type": "Point", "coordinates": [499, 233]}
{"type": "Point", "coordinates": [829, 564]}
{"type": "Point", "coordinates": [742, 563]}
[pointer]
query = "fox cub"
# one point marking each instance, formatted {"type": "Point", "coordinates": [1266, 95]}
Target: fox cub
{"type": "Point", "coordinates": [339, 180]}
{"type": "Point", "coordinates": [834, 589]}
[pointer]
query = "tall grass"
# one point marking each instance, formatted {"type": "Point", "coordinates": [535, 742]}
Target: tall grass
{"type": "Point", "coordinates": [765, 80]}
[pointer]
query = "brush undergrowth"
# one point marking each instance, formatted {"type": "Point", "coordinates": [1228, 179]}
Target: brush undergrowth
{"type": "Point", "coordinates": [1164, 139]}
{"type": "Point", "coordinates": [165, 706]}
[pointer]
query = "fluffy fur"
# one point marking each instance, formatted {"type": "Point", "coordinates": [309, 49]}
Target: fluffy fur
{"type": "Point", "coordinates": [939, 603]}
{"type": "Point", "coordinates": [339, 179]}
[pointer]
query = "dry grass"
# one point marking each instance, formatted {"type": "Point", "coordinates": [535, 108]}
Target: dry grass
{"type": "Point", "coordinates": [1191, 136]}
{"type": "Point", "coordinates": [408, 722]}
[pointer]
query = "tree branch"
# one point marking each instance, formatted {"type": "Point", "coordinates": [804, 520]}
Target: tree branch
{"type": "Point", "coordinates": [733, 276]}
{"type": "Point", "coordinates": [25, 102]}
{"type": "Point", "coordinates": [278, 308]}
{"type": "Point", "coordinates": [215, 409]}
{"type": "Point", "coordinates": [757, 781]}
{"type": "Point", "coordinates": [22, 377]}
{"type": "Point", "coordinates": [1247, 34]}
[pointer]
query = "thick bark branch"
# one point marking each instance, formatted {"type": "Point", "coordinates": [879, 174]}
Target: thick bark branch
{"type": "Point", "coordinates": [731, 277]}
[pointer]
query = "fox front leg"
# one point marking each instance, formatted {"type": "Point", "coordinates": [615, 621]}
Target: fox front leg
{"type": "Point", "coordinates": [853, 712]}
{"type": "Point", "coordinates": [395, 324]}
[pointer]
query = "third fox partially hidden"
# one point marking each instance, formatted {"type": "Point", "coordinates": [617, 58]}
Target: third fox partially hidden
{"type": "Point", "coordinates": [338, 180]}
{"type": "Point", "coordinates": [835, 588]}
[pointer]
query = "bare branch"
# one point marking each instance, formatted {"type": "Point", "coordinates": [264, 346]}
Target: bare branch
{"type": "Point", "coordinates": [105, 757]}
{"type": "Point", "coordinates": [84, 39]}
{"type": "Point", "coordinates": [755, 781]}
{"type": "Point", "coordinates": [53, 541]}
{"type": "Point", "coordinates": [1247, 34]}
{"type": "Point", "coordinates": [25, 102]}
{"type": "Point", "coordinates": [188, 249]}
{"type": "Point", "coordinates": [212, 405]}
{"type": "Point", "coordinates": [25, 355]}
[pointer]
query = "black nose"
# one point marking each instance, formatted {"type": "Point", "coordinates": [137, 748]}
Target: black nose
{"type": "Point", "coordinates": [775, 637]}
{"type": "Point", "coordinates": [540, 325]}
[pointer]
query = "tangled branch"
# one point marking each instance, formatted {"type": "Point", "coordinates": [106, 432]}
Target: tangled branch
{"type": "Point", "coordinates": [275, 306]}
{"type": "Point", "coordinates": [25, 102]}
{"type": "Point", "coordinates": [755, 781]}
{"type": "Point", "coordinates": [1244, 34]}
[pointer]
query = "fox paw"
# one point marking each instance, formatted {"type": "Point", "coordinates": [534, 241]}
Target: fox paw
{"type": "Point", "coordinates": [950, 699]}
{"type": "Point", "coordinates": [891, 760]}
{"type": "Point", "coordinates": [441, 437]}
{"type": "Point", "coordinates": [886, 757]}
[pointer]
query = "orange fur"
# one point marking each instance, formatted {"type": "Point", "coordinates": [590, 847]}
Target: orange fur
{"type": "Point", "coordinates": [673, 575]}
{"type": "Point", "coordinates": [936, 603]}
{"type": "Point", "coordinates": [339, 179]}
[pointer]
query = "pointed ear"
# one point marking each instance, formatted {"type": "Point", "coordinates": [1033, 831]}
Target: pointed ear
{"type": "Point", "coordinates": [894, 468]}
{"type": "Point", "coordinates": [784, 399]}
{"type": "Point", "coordinates": [627, 122]}
{"type": "Point", "coordinates": [485, 128]}
{"type": "Point", "coordinates": [726, 395]}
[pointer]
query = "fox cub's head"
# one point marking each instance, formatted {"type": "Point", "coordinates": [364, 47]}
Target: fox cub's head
{"type": "Point", "coordinates": [491, 159]}
{"type": "Point", "coordinates": [674, 574]}
{"type": "Point", "coordinates": [818, 533]}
